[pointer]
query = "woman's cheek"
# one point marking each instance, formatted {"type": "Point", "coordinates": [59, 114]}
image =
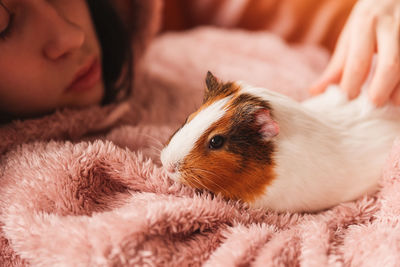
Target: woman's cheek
{"type": "Point", "coordinates": [26, 94]}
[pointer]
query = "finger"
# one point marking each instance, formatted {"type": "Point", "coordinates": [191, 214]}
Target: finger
{"type": "Point", "coordinates": [333, 71]}
{"type": "Point", "coordinates": [395, 97]}
{"type": "Point", "coordinates": [321, 84]}
{"type": "Point", "coordinates": [358, 62]}
{"type": "Point", "coordinates": [386, 76]}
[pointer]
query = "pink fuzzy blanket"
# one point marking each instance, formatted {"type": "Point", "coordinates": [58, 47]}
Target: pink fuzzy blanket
{"type": "Point", "coordinates": [85, 188]}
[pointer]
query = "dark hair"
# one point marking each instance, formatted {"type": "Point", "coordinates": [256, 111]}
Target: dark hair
{"type": "Point", "coordinates": [115, 41]}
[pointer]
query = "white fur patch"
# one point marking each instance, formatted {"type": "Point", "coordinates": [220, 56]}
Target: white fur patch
{"type": "Point", "coordinates": [183, 141]}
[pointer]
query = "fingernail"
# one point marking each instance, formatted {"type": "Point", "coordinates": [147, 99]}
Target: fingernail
{"type": "Point", "coordinates": [313, 91]}
{"type": "Point", "coordinates": [317, 87]}
{"type": "Point", "coordinates": [375, 100]}
{"type": "Point", "coordinates": [353, 94]}
{"type": "Point", "coordinates": [344, 91]}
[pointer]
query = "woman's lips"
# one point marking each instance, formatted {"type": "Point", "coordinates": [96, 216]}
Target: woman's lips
{"type": "Point", "coordinates": [87, 77]}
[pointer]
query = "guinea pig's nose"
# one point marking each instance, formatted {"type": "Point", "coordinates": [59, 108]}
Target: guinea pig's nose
{"type": "Point", "coordinates": [172, 167]}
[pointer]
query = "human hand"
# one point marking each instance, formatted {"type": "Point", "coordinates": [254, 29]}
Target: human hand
{"type": "Point", "coordinates": [373, 26]}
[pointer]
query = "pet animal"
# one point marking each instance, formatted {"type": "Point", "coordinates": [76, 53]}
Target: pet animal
{"type": "Point", "coordinates": [261, 147]}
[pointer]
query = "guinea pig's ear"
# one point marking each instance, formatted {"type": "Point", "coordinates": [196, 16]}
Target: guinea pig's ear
{"type": "Point", "coordinates": [215, 88]}
{"type": "Point", "coordinates": [211, 82]}
{"type": "Point", "coordinates": [268, 127]}
{"type": "Point", "coordinates": [212, 87]}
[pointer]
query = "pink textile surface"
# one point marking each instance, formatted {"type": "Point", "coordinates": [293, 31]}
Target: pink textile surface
{"type": "Point", "coordinates": [85, 188]}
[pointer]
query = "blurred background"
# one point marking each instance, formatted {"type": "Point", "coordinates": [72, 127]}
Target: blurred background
{"type": "Point", "coordinates": [297, 21]}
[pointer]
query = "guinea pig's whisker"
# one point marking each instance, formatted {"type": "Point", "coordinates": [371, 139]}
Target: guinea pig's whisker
{"type": "Point", "coordinates": [197, 180]}
{"type": "Point", "coordinates": [189, 182]}
{"type": "Point", "coordinates": [210, 180]}
{"type": "Point", "coordinates": [158, 142]}
{"type": "Point", "coordinates": [156, 149]}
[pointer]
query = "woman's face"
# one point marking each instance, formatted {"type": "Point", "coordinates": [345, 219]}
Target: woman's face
{"type": "Point", "coordinates": [50, 56]}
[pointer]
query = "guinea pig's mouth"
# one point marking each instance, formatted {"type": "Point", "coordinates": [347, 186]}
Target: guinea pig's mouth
{"type": "Point", "coordinates": [174, 175]}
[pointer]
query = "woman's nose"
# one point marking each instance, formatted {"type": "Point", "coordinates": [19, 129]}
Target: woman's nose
{"type": "Point", "coordinates": [64, 37]}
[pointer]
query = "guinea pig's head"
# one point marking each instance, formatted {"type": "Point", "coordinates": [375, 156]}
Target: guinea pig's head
{"type": "Point", "coordinates": [227, 146]}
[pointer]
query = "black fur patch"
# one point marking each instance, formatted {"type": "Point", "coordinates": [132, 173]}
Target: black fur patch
{"type": "Point", "coordinates": [244, 136]}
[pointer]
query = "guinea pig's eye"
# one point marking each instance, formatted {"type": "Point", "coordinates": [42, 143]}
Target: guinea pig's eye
{"type": "Point", "coordinates": [216, 142]}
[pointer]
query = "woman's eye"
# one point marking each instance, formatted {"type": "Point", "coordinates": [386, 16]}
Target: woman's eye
{"type": "Point", "coordinates": [216, 142]}
{"type": "Point", "coordinates": [6, 22]}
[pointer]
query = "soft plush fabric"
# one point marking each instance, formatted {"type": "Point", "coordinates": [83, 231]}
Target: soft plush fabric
{"type": "Point", "coordinates": [85, 187]}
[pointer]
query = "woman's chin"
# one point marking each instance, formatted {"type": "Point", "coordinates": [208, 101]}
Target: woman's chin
{"type": "Point", "coordinates": [86, 98]}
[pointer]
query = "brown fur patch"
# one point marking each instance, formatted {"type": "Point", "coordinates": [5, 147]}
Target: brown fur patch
{"type": "Point", "coordinates": [216, 90]}
{"type": "Point", "coordinates": [226, 90]}
{"type": "Point", "coordinates": [224, 174]}
{"type": "Point", "coordinates": [220, 91]}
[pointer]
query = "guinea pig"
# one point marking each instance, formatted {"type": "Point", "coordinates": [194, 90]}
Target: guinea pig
{"type": "Point", "coordinates": [253, 144]}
